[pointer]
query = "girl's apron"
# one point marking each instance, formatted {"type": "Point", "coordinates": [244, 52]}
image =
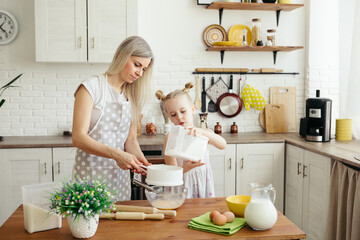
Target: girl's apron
{"type": "Point", "coordinates": [112, 129]}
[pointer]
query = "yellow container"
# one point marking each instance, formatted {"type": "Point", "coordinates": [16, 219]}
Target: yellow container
{"type": "Point", "coordinates": [343, 131]}
{"type": "Point", "coordinates": [237, 204]}
{"type": "Point", "coordinates": [284, 1]}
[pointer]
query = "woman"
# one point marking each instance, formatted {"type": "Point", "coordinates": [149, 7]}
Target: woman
{"type": "Point", "coordinates": [106, 111]}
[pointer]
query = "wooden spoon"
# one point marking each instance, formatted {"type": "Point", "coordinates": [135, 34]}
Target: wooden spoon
{"type": "Point", "coordinates": [198, 91]}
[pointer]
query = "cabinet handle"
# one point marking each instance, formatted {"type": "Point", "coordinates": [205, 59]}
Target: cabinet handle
{"type": "Point", "coordinates": [229, 163]}
{"type": "Point", "coordinates": [93, 42]}
{"type": "Point", "coordinates": [304, 173]}
{"type": "Point", "coordinates": [45, 168]}
{"type": "Point", "coordinates": [80, 42]}
{"type": "Point", "coordinates": [58, 167]}
{"type": "Point", "coordinates": [242, 163]}
{"type": "Point", "coordinates": [299, 168]}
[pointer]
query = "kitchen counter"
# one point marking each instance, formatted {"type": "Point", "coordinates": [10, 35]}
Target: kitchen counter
{"type": "Point", "coordinates": [343, 151]}
{"type": "Point", "coordinates": [168, 228]}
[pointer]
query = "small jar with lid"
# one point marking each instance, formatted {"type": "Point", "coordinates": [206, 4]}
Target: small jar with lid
{"type": "Point", "coordinates": [271, 36]}
{"type": "Point", "coordinates": [256, 32]}
{"type": "Point", "coordinates": [234, 128]}
{"type": "Point", "coordinates": [217, 128]}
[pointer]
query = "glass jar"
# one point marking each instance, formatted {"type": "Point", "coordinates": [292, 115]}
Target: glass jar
{"type": "Point", "coordinates": [150, 129]}
{"type": "Point", "coordinates": [256, 32]}
{"type": "Point", "coordinates": [217, 128]}
{"type": "Point", "coordinates": [271, 36]}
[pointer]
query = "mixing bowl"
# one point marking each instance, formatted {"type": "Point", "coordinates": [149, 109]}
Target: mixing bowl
{"type": "Point", "coordinates": [237, 204]}
{"type": "Point", "coordinates": [166, 197]}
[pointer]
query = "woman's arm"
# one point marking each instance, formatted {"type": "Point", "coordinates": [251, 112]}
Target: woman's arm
{"type": "Point", "coordinates": [81, 121]}
{"type": "Point", "coordinates": [132, 145]}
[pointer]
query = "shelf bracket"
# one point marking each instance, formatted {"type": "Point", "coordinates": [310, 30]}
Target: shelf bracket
{"type": "Point", "coordinates": [220, 15]}
{"type": "Point", "coordinates": [277, 17]}
{"type": "Point", "coordinates": [274, 56]}
{"type": "Point", "coordinates": [222, 56]}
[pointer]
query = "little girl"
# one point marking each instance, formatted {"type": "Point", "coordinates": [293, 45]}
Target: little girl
{"type": "Point", "coordinates": [198, 177]}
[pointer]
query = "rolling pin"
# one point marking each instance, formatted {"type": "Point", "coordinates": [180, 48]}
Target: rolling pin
{"type": "Point", "coordinates": [132, 216]}
{"type": "Point", "coordinates": [150, 210]}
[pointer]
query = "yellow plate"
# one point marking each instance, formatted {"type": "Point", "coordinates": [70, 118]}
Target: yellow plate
{"type": "Point", "coordinates": [236, 34]}
{"type": "Point", "coordinates": [226, 43]}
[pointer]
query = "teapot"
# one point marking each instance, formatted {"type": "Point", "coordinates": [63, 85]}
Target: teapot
{"type": "Point", "coordinates": [260, 213]}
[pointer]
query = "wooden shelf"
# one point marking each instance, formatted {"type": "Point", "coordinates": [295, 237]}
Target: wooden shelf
{"type": "Point", "coordinates": [273, 49]}
{"type": "Point", "coordinates": [253, 6]}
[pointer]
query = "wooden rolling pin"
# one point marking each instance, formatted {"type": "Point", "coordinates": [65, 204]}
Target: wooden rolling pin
{"type": "Point", "coordinates": [150, 210]}
{"type": "Point", "coordinates": [132, 216]}
{"type": "Point", "coordinates": [267, 70]}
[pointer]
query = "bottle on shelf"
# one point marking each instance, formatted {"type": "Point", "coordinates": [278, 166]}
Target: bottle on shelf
{"type": "Point", "coordinates": [271, 37]}
{"type": "Point", "coordinates": [256, 32]}
{"type": "Point", "coordinates": [234, 128]}
{"type": "Point", "coordinates": [217, 128]}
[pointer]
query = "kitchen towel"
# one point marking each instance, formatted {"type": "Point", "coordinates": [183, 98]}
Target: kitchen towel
{"type": "Point", "coordinates": [252, 97]}
{"type": "Point", "coordinates": [203, 223]}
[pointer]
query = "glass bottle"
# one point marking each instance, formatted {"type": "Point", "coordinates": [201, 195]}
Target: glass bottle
{"type": "Point", "coordinates": [256, 32]}
{"type": "Point", "coordinates": [217, 128]}
{"type": "Point", "coordinates": [234, 128]}
{"type": "Point", "coordinates": [244, 34]}
{"type": "Point", "coordinates": [271, 36]}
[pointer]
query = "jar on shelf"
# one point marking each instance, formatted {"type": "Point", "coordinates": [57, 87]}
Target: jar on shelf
{"type": "Point", "coordinates": [256, 32]}
{"type": "Point", "coordinates": [150, 129]}
{"type": "Point", "coordinates": [234, 128]}
{"type": "Point", "coordinates": [271, 36]}
{"type": "Point", "coordinates": [217, 128]}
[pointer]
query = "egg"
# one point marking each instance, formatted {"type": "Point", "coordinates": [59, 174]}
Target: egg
{"type": "Point", "coordinates": [229, 216]}
{"type": "Point", "coordinates": [213, 213]}
{"type": "Point", "coordinates": [219, 219]}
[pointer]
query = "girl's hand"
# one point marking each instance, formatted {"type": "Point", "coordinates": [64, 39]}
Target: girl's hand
{"type": "Point", "coordinates": [188, 165]}
{"type": "Point", "coordinates": [194, 131]}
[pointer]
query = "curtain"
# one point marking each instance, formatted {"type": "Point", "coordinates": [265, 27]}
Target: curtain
{"type": "Point", "coordinates": [344, 205]}
{"type": "Point", "coordinates": [352, 108]}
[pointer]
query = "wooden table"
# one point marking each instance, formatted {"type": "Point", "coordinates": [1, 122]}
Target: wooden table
{"type": "Point", "coordinates": [169, 228]}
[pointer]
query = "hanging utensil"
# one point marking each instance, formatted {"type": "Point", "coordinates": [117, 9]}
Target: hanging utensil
{"type": "Point", "coordinates": [203, 96]}
{"type": "Point", "coordinates": [229, 104]}
{"type": "Point", "coordinates": [212, 106]}
{"type": "Point", "coordinates": [197, 99]}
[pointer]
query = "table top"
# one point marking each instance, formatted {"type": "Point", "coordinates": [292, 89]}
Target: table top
{"type": "Point", "coordinates": [168, 228]}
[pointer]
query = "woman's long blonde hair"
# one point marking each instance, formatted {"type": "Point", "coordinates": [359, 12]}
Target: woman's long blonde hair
{"type": "Point", "coordinates": [137, 92]}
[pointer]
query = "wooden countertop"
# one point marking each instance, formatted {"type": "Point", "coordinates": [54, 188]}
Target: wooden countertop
{"type": "Point", "coordinates": [169, 228]}
{"type": "Point", "coordinates": [343, 151]}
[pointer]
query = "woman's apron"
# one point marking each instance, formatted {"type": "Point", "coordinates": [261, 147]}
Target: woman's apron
{"type": "Point", "coordinates": [112, 129]}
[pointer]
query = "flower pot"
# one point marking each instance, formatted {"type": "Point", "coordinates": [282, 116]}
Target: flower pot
{"type": "Point", "coordinates": [83, 228]}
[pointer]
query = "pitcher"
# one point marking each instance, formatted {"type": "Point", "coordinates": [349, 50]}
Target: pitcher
{"type": "Point", "coordinates": [261, 213]}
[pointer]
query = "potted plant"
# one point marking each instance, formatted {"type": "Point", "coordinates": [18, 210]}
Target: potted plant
{"type": "Point", "coordinates": [81, 202]}
{"type": "Point", "coordinates": [2, 90]}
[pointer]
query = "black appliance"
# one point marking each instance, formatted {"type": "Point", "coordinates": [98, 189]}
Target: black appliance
{"type": "Point", "coordinates": [318, 119]}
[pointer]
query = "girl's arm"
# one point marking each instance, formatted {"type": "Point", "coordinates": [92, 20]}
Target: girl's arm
{"type": "Point", "coordinates": [81, 121]}
{"type": "Point", "coordinates": [214, 139]}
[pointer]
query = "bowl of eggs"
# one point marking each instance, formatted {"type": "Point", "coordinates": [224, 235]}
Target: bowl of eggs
{"type": "Point", "coordinates": [237, 204]}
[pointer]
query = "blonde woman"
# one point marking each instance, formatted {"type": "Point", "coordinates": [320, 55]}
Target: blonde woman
{"type": "Point", "coordinates": [106, 111]}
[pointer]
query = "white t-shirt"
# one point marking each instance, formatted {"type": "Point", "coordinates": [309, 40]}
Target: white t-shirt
{"type": "Point", "coordinates": [101, 92]}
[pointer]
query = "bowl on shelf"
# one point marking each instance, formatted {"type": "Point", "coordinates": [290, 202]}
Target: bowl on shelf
{"type": "Point", "coordinates": [166, 197]}
{"type": "Point", "coordinates": [269, 1]}
{"type": "Point", "coordinates": [237, 204]}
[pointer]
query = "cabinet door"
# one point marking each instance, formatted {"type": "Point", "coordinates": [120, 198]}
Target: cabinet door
{"type": "Point", "coordinates": [294, 184]}
{"type": "Point", "coordinates": [63, 161]}
{"type": "Point", "coordinates": [21, 167]}
{"type": "Point", "coordinates": [107, 28]}
{"type": "Point", "coordinates": [261, 163]}
{"type": "Point", "coordinates": [223, 169]}
{"type": "Point", "coordinates": [60, 30]}
{"type": "Point", "coordinates": [316, 188]}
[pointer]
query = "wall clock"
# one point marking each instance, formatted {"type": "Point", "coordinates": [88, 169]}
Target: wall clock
{"type": "Point", "coordinates": [8, 27]}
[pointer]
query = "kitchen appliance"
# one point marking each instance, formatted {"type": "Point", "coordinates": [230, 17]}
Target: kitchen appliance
{"type": "Point", "coordinates": [318, 119]}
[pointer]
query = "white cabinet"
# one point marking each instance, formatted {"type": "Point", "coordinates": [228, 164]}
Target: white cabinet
{"type": "Point", "coordinates": [21, 167]}
{"type": "Point", "coordinates": [240, 164]}
{"type": "Point", "coordinates": [307, 190]}
{"type": "Point", "coordinates": [223, 169]}
{"type": "Point", "coordinates": [63, 161]}
{"type": "Point", "coordinates": [82, 30]}
{"type": "Point", "coordinates": [263, 163]}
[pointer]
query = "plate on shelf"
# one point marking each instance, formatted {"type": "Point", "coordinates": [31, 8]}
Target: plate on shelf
{"type": "Point", "coordinates": [226, 43]}
{"type": "Point", "coordinates": [214, 33]}
{"type": "Point", "coordinates": [236, 34]}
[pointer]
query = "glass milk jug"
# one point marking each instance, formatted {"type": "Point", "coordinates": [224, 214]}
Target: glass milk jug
{"type": "Point", "coordinates": [261, 213]}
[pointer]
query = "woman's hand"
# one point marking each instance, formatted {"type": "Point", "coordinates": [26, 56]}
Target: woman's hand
{"type": "Point", "coordinates": [129, 161]}
{"type": "Point", "coordinates": [188, 165]}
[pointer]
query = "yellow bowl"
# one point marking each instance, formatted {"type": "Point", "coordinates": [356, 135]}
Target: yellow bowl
{"type": "Point", "coordinates": [237, 204]}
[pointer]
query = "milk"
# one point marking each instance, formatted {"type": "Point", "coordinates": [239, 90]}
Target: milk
{"type": "Point", "coordinates": [260, 214]}
{"type": "Point", "coordinates": [39, 219]}
{"type": "Point", "coordinates": [167, 204]}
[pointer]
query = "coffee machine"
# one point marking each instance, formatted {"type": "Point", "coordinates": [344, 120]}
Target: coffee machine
{"type": "Point", "coordinates": [318, 119]}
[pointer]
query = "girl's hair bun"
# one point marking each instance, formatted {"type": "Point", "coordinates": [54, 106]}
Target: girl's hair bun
{"type": "Point", "coordinates": [188, 86]}
{"type": "Point", "coordinates": [160, 95]}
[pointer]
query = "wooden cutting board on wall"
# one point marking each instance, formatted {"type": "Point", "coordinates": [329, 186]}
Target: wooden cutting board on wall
{"type": "Point", "coordinates": [286, 96]}
{"type": "Point", "coordinates": [275, 118]}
